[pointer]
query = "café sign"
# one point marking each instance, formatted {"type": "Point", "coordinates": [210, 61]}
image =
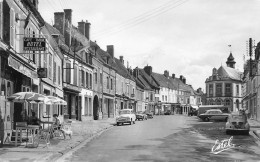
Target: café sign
{"type": "Point", "coordinates": [34, 44]}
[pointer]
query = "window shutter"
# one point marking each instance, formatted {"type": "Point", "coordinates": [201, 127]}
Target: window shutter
{"type": "Point", "coordinates": [1, 20]}
{"type": "Point", "coordinates": [12, 33]}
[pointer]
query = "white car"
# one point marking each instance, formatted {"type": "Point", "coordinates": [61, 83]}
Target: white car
{"type": "Point", "coordinates": [126, 116]}
{"type": "Point", "coordinates": [237, 122]}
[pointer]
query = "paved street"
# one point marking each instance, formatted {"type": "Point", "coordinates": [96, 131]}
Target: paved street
{"type": "Point", "coordinates": [165, 138]}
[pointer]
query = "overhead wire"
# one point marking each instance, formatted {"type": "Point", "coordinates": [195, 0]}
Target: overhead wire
{"type": "Point", "coordinates": [141, 20]}
{"type": "Point", "coordinates": [138, 17]}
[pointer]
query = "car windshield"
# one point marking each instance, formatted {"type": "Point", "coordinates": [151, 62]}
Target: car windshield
{"type": "Point", "coordinates": [238, 117]}
{"type": "Point", "coordinates": [125, 112]}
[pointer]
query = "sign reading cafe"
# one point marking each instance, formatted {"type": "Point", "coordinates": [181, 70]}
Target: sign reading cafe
{"type": "Point", "coordinates": [34, 44]}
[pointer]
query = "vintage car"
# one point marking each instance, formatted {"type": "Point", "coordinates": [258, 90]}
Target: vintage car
{"type": "Point", "coordinates": [214, 114]}
{"type": "Point", "coordinates": [149, 115]}
{"type": "Point", "coordinates": [237, 123]}
{"type": "Point", "coordinates": [126, 116]}
{"type": "Point", "coordinates": [168, 112]}
{"type": "Point", "coordinates": [141, 115]}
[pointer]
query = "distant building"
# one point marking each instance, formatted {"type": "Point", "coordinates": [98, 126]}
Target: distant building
{"type": "Point", "coordinates": [223, 87]}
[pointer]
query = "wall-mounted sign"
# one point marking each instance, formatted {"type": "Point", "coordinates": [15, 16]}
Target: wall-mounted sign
{"type": "Point", "coordinates": [34, 44]}
{"type": "Point", "coordinates": [21, 68]}
{"type": "Point", "coordinates": [42, 72]}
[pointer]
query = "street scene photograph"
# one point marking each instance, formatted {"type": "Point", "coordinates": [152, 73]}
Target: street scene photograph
{"type": "Point", "coordinates": [129, 81]}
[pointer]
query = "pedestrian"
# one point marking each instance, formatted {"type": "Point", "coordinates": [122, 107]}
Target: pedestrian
{"type": "Point", "coordinates": [247, 113]}
{"type": "Point", "coordinates": [1, 130]}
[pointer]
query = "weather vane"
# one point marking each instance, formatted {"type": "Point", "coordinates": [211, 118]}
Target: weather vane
{"type": "Point", "coordinates": [230, 48]}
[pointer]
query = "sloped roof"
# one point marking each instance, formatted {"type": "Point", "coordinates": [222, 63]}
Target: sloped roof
{"type": "Point", "coordinates": [146, 85]}
{"type": "Point", "coordinates": [148, 78]}
{"type": "Point", "coordinates": [228, 72]}
{"type": "Point", "coordinates": [178, 84]}
{"type": "Point", "coordinates": [163, 81]}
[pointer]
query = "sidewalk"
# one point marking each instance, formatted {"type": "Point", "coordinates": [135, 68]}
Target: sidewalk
{"type": "Point", "coordinates": [82, 131]}
{"type": "Point", "coordinates": [255, 127]}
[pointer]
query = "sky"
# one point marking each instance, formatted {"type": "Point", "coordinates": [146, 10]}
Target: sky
{"type": "Point", "coordinates": [185, 37]}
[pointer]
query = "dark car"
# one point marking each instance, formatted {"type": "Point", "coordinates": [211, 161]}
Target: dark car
{"type": "Point", "coordinates": [149, 115]}
{"type": "Point", "coordinates": [214, 114]}
{"type": "Point", "coordinates": [167, 112]}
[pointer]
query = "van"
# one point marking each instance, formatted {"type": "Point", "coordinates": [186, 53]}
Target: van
{"type": "Point", "coordinates": [203, 108]}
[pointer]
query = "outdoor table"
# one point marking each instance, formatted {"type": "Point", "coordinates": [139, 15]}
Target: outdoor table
{"type": "Point", "coordinates": [50, 126]}
{"type": "Point", "coordinates": [29, 129]}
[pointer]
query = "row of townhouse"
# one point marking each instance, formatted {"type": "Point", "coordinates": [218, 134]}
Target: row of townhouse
{"type": "Point", "coordinates": [61, 60]}
{"type": "Point", "coordinates": [251, 82]}
{"type": "Point", "coordinates": [162, 92]}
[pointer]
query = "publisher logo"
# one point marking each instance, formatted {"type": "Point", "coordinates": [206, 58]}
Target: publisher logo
{"type": "Point", "coordinates": [223, 145]}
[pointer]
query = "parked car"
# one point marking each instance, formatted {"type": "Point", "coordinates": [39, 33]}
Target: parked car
{"type": "Point", "coordinates": [141, 115]}
{"type": "Point", "coordinates": [168, 112]}
{"type": "Point", "coordinates": [126, 116]}
{"type": "Point", "coordinates": [149, 115]}
{"type": "Point", "coordinates": [214, 114]}
{"type": "Point", "coordinates": [193, 112]}
{"type": "Point", "coordinates": [237, 123]}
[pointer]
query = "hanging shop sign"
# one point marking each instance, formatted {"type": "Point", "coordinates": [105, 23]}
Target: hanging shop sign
{"type": "Point", "coordinates": [34, 44]}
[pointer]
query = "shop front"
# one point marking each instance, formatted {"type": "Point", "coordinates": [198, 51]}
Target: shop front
{"type": "Point", "coordinates": [16, 76]}
{"type": "Point", "coordinates": [73, 108]}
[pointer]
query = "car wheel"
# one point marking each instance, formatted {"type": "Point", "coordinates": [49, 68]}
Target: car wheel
{"type": "Point", "coordinates": [117, 124]}
{"type": "Point", "coordinates": [206, 119]}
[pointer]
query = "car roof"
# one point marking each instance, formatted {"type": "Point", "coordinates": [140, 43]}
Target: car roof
{"type": "Point", "coordinates": [126, 109]}
{"type": "Point", "coordinates": [214, 110]}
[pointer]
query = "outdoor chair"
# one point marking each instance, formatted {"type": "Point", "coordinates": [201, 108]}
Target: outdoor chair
{"type": "Point", "coordinates": [66, 129]}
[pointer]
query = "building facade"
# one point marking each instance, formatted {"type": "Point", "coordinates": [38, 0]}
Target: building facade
{"type": "Point", "coordinates": [224, 86]}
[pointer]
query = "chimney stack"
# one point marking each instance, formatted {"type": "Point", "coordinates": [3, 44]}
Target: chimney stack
{"type": "Point", "coordinates": [181, 77]}
{"type": "Point", "coordinates": [148, 70]}
{"type": "Point", "coordinates": [87, 30]}
{"type": "Point", "coordinates": [81, 27]}
{"type": "Point", "coordinates": [68, 15]}
{"type": "Point", "coordinates": [184, 80]}
{"type": "Point", "coordinates": [136, 72]}
{"type": "Point", "coordinates": [173, 76]}
{"type": "Point", "coordinates": [68, 25]}
{"type": "Point", "coordinates": [121, 59]}
{"type": "Point", "coordinates": [35, 3]}
{"type": "Point", "coordinates": [59, 21]}
{"type": "Point", "coordinates": [110, 50]}
{"type": "Point", "coordinates": [166, 73]}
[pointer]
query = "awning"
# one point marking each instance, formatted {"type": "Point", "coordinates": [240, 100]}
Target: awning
{"type": "Point", "coordinates": [20, 67]}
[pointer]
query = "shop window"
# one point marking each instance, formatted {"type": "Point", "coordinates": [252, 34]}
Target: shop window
{"type": "Point", "coordinates": [90, 81]}
{"type": "Point", "coordinates": [87, 80]}
{"type": "Point", "coordinates": [3, 89]}
{"type": "Point", "coordinates": [54, 72]}
{"type": "Point", "coordinates": [59, 75]}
